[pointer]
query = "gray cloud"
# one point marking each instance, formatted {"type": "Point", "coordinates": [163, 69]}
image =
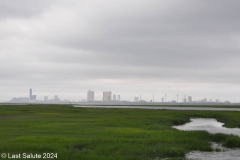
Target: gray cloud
{"type": "Point", "coordinates": [59, 43]}
{"type": "Point", "coordinates": [24, 8]}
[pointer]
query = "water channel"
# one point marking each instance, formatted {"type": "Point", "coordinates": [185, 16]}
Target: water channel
{"type": "Point", "coordinates": [208, 124]}
{"type": "Point", "coordinates": [162, 107]}
{"type": "Point", "coordinates": [212, 126]}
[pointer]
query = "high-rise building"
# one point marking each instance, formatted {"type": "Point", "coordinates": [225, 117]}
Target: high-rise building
{"type": "Point", "coordinates": [136, 99]}
{"type": "Point", "coordinates": [119, 98]}
{"type": "Point", "coordinates": [32, 97]}
{"type": "Point", "coordinates": [107, 96]}
{"type": "Point", "coordinates": [30, 94]}
{"type": "Point", "coordinates": [162, 99]}
{"type": "Point", "coordinates": [56, 98]}
{"type": "Point", "coordinates": [114, 97]}
{"type": "Point", "coordinates": [20, 99]}
{"type": "Point", "coordinates": [90, 96]}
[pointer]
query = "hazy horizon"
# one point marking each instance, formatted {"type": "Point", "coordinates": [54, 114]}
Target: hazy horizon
{"type": "Point", "coordinates": [129, 47]}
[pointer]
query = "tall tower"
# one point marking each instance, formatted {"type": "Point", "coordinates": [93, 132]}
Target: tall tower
{"type": "Point", "coordinates": [107, 96]}
{"type": "Point", "coordinates": [30, 94]}
{"type": "Point", "coordinates": [32, 97]}
{"type": "Point", "coordinates": [90, 96]}
{"type": "Point", "coordinates": [114, 97]}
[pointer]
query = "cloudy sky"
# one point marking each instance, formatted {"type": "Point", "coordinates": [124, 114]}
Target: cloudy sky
{"type": "Point", "coordinates": [59, 47]}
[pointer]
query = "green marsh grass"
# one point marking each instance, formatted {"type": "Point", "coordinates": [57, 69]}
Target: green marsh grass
{"type": "Point", "coordinates": [107, 134]}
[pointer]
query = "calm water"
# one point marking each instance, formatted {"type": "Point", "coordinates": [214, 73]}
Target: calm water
{"type": "Point", "coordinates": [164, 107]}
{"type": "Point", "coordinates": [222, 154]}
{"type": "Point", "coordinates": [226, 155]}
{"type": "Point", "coordinates": [212, 126]}
{"type": "Point", "coordinates": [208, 124]}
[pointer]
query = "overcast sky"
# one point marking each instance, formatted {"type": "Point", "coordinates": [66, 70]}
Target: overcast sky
{"type": "Point", "coordinates": [59, 47]}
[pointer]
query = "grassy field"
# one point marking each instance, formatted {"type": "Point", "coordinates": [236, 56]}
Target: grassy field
{"type": "Point", "coordinates": [106, 134]}
{"type": "Point", "coordinates": [221, 105]}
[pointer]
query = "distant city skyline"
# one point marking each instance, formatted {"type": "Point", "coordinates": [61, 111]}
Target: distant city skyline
{"type": "Point", "coordinates": [107, 96]}
{"type": "Point", "coordinates": [128, 47]}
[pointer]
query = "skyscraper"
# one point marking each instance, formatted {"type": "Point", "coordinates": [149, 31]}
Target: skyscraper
{"type": "Point", "coordinates": [107, 96]}
{"type": "Point", "coordinates": [90, 96]}
{"type": "Point", "coordinates": [114, 97]}
{"type": "Point", "coordinates": [32, 97]}
{"type": "Point", "coordinates": [56, 98]}
{"type": "Point", "coordinates": [30, 94]}
{"type": "Point", "coordinates": [119, 98]}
